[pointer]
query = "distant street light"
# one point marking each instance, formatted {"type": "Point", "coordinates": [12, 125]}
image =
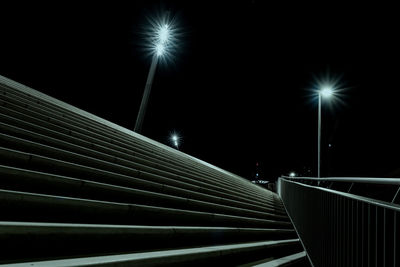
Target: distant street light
{"type": "Point", "coordinates": [292, 174]}
{"type": "Point", "coordinates": [161, 38]}
{"type": "Point", "coordinates": [175, 140]}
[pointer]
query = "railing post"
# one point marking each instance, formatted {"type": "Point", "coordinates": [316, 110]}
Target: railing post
{"type": "Point", "coordinates": [351, 186]}
{"type": "Point", "coordinates": [394, 238]}
{"type": "Point", "coordinates": [394, 198]}
{"type": "Point", "coordinates": [376, 236]}
{"type": "Point", "coordinates": [384, 237]}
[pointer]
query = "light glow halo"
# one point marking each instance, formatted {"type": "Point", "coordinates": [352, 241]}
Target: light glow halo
{"type": "Point", "coordinates": [161, 36]}
{"type": "Point", "coordinates": [331, 87]}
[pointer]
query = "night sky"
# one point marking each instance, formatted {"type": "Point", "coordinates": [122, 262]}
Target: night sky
{"type": "Point", "coordinates": [237, 91]}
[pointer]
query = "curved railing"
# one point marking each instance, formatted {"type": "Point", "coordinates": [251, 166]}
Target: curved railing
{"type": "Point", "coordinates": [341, 228]}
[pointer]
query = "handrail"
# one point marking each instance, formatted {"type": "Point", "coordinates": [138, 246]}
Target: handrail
{"type": "Point", "coordinates": [339, 228]}
{"type": "Point", "coordinates": [369, 180]}
{"type": "Point", "coordinates": [367, 200]}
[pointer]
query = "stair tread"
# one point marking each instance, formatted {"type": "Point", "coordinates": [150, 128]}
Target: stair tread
{"type": "Point", "coordinates": [284, 260]}
{"type": "Point", "coordinates": [163, 255]}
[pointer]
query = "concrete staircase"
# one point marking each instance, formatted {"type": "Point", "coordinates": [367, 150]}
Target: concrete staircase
{"type": "Point", "coordinates": [76, 190]}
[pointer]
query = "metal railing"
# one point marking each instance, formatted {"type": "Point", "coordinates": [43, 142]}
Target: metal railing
{"type": "Point", "coordinates": [342, 229]}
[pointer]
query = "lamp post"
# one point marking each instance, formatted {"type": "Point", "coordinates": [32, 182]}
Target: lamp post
{"type": "Point", "coordinates": [160, 37]}
{"type": "Point", "coordinates": [325, 92]}
{"type": "Point", "coordinates": [146, 94]}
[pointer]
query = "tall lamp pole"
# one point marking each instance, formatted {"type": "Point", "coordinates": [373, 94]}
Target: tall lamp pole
{"type": "Point", "coordinates": [161, 38]}
{"type": "Point", "coordinates": [146, 94]}
{"type": "Point", "coordinates": [319, 136]}
{"type": "Point", "coordinates": [326, 93]}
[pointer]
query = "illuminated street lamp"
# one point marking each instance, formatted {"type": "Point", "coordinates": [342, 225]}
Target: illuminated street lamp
{"type": "Point", "coordinates": [325, 92]}
{"type": "Point", "coordinates": [292, 174]}
{"type": "Point", "coordinates": [327, 87]}
{"type": "Point", "coordinates": [175, 140]}
{"type": "Point", "coordinates": [161, 38]}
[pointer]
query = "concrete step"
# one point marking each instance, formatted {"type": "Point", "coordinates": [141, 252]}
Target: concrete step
{"type": "Point", "coordinates": [76, 117]}
{"type": "Point", "coordinates": [48, 165]}
{"type": "Point", "coordinates": [298, 259]}
{"type": "Point", "coordinates": [77, 190]}
{"type": "Point", "coordinates": [222, 255]}
{"type": "Point", "coordinates": [28, 141]}
{"type": "Point", "coordinates": [23, 206]}
{"type": "Point", "coordinates": [38, 182]}
{"type": "Point", "coordinates": [50, 118]}
{"type": "Point", "coordinates": [33, 240]}
{"type": "Point", "coordinates": [42, 134]}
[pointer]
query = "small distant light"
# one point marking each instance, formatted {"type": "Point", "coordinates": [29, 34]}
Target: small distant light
{"type": "Point", "coordinates": [330, 145]}
{"type": "Point", "coordinates": [175, 140]}
{"type": "Point", "coordinates": [292, 174]}
{"type": "Point", "coordinates": [257, 174]}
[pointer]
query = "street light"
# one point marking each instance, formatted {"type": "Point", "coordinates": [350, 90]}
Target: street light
{"type": "Point", "coordinates": [292, 174]}
{"type": "Point", "coordinates": [175, 140]}
{"type": "Point", "coordinates": [161, 42]}
{"type": "Point", "coordinates": [330, 87]}
{"type": "Point", "coordinates": [324, 92]}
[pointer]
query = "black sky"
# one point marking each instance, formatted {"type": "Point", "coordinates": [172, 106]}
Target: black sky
{"type": "Point", "coordinates": [237, 91]}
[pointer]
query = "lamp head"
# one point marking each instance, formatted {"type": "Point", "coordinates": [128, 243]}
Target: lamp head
{"type": "Point", "coordinates": [161, 36]}
{"type": "Point", "coordinates": [329, 87]}
{"type": "Point", "coordinates": [159, 49]}
{"type": "Point", "coordinates": [326, 92]}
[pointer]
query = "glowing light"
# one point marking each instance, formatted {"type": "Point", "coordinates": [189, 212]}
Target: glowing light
{"type": "Point", "coordinates": [330, 87]}
{"type": "Point", "coordinates": [292, 174]}
{"type": "Point", "coordinates": [161, 36]}
{"type": "Point", "coordinates": [175, 140]}
{"type": "Point", "coordinates": [160, 48]}
{"type": "Point", "coordinates": [326, 92]}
